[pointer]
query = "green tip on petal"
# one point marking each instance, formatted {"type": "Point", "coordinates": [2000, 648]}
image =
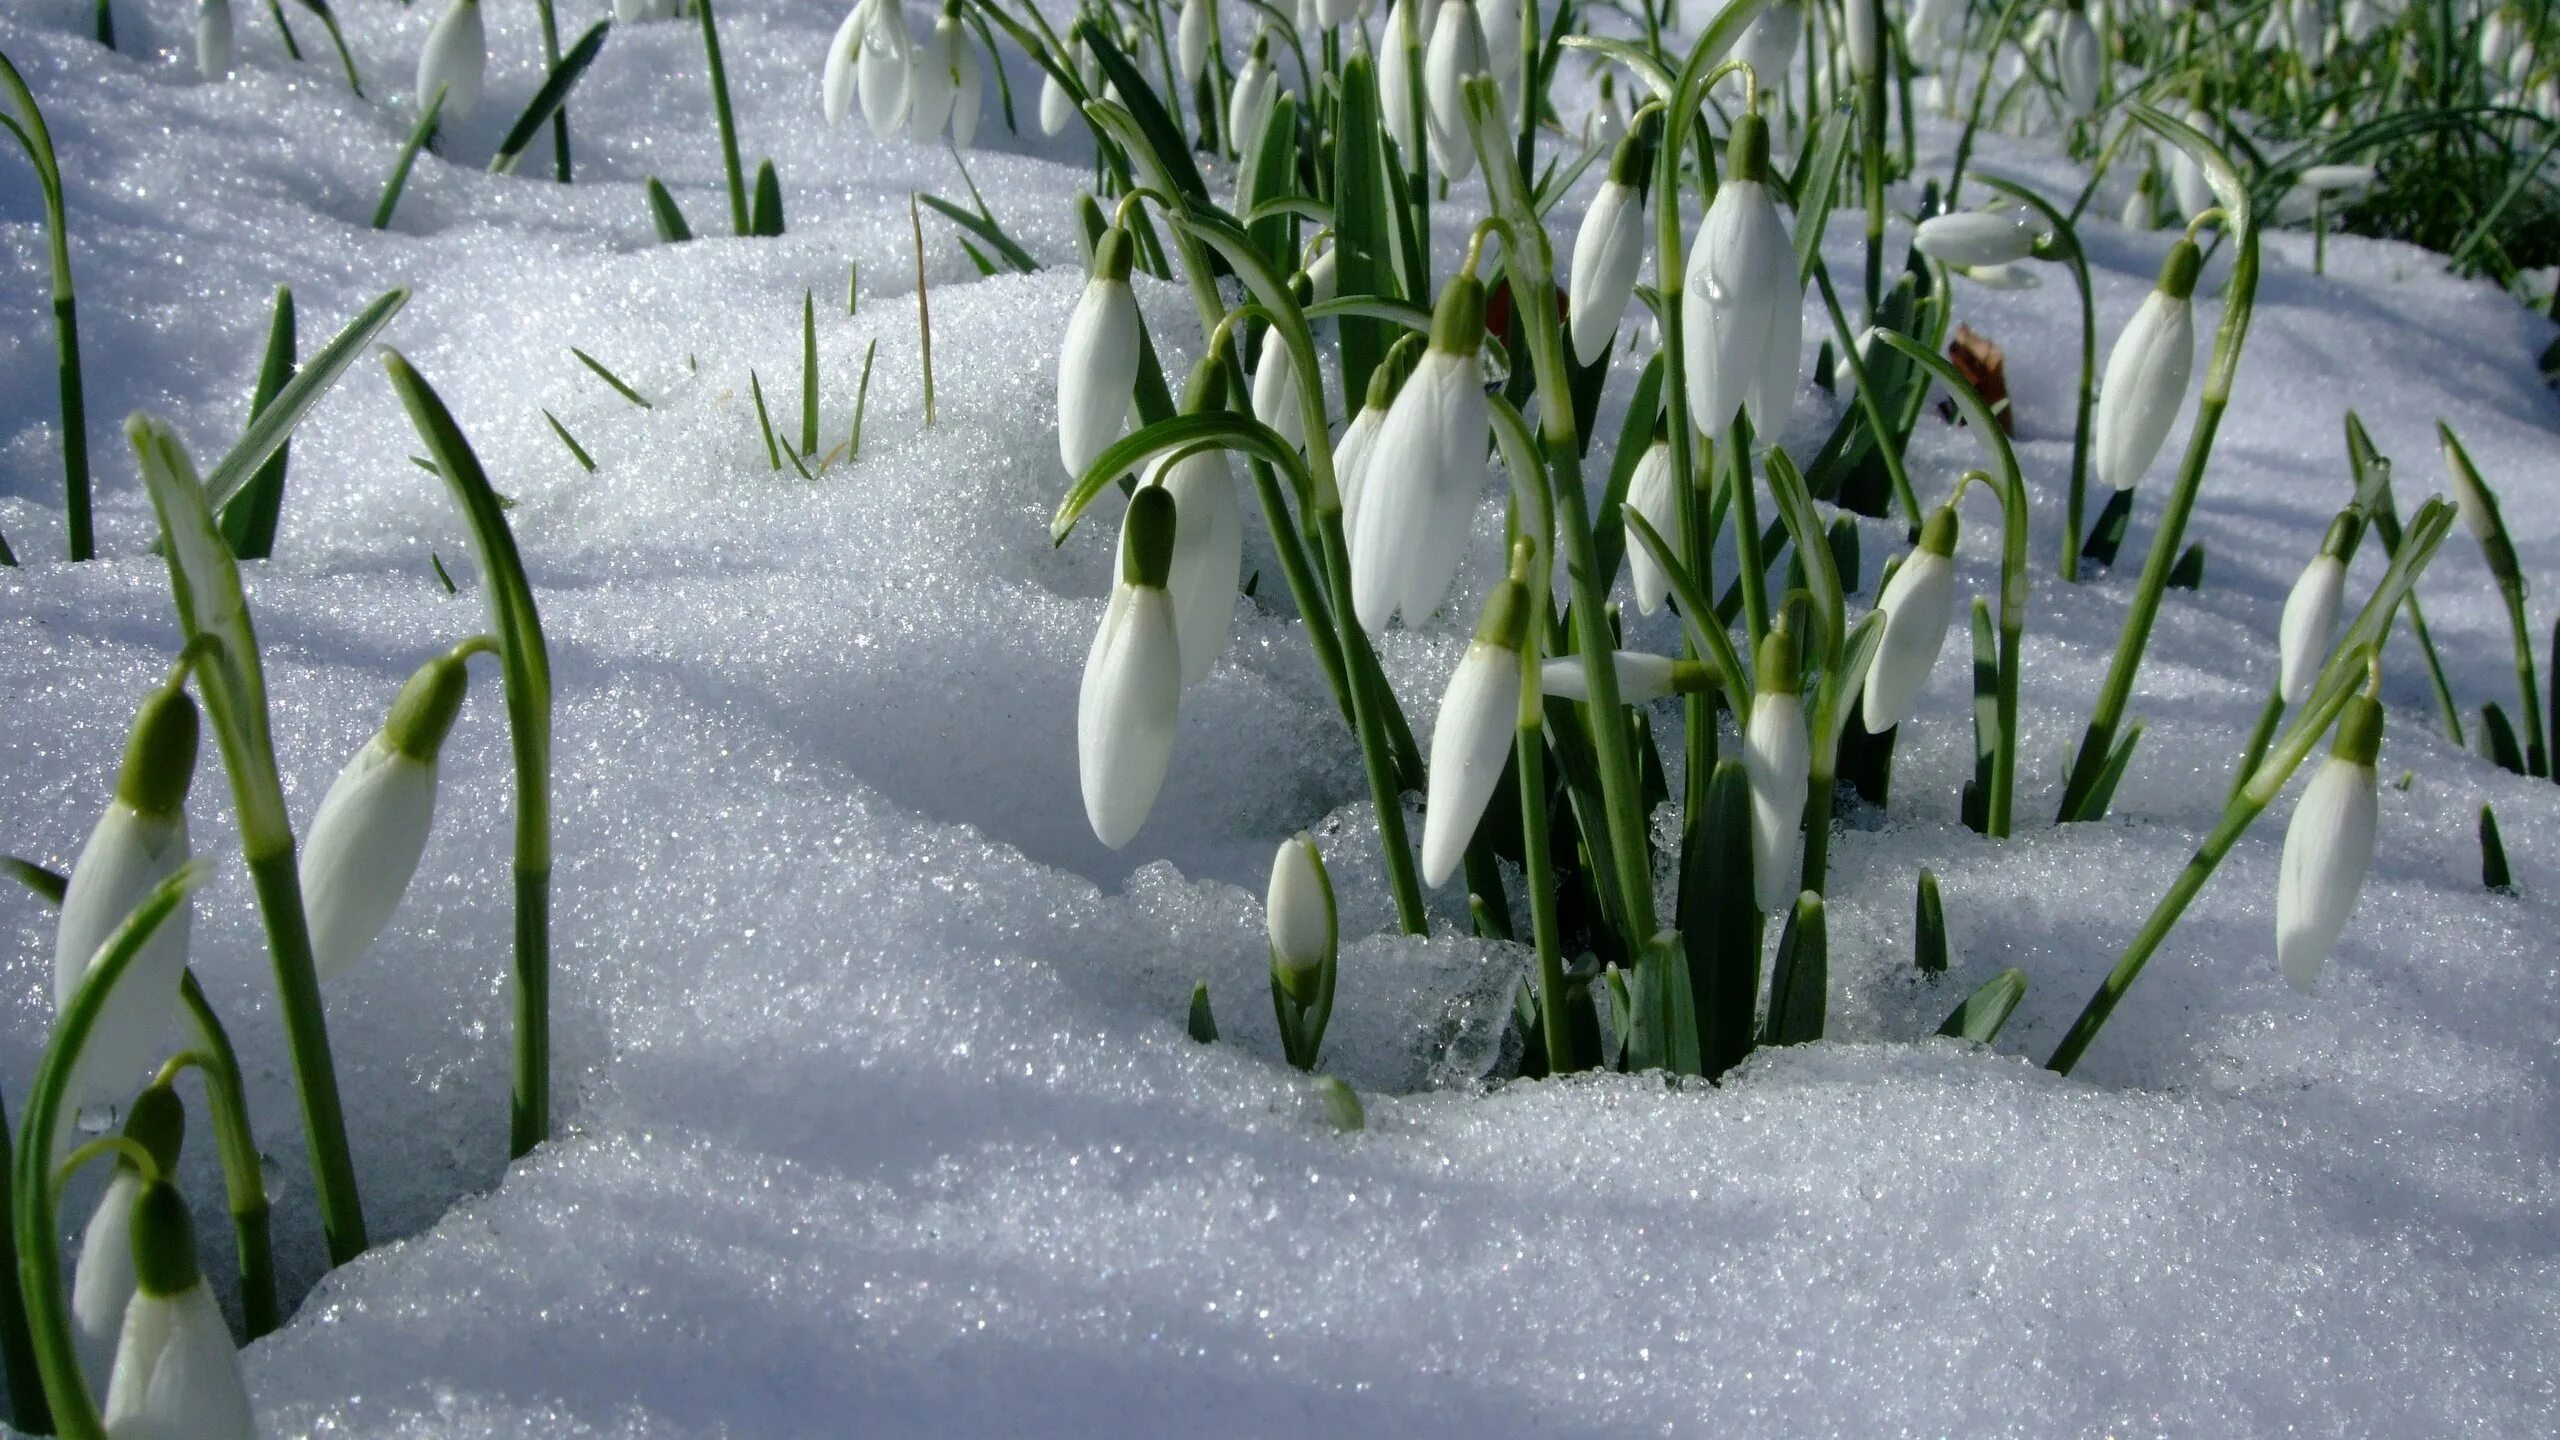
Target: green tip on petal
{"type": "Point", "coordinates": [1506, 616]}
{"type": "Point", "coordinates": [164, 1242]}
{"type": "Point", "coordinates": [1112, 256]}
{"type": "Point", "coordinates": [1207, 388]}
{"type": "Point", "coordinates": [2344, 532]}
{"type": "Point", "coordinates": [1146, 552]}
{"type": "Point", "coordinates": [2178, 272]}
{"type": "Point", "coordinates": [423, 714]}
{"type": "Point", "coordinates": [1780, 665]}
{"type": "Point", "coordinates": [1938, 533]}
{"type": "Point", "coordinates": [158, 1123]}
{"type": "Point", "coordinates": [1457, 323]}
{"type": "Point", "coordinates": [160, 759]}
{"type": "Point", "coordinates": [1747, 153]}
{"type": "Point", "coordinates": [1632, 161]}
{"type": "Point", "coordinates": [2359, 732]}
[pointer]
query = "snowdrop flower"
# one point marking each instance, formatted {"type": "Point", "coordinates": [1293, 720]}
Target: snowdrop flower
{"type": "Point", "coordinates": [938, 58]}
{"type": "Point", "coordinates": [1500, 21]}
{"type": "Point", "coordinates": [2146, 377]}
{"type": "Point", "coordinates": [102, 1278]}
{"type": "Point", "coordinates": [1359, 438]}
{"type": "Point", "coordinates": [1472, 736]}
{"type": "Point", "coordinates": [1743, 306]}
{"type": "Point", "coordinates": [1425, 469]}
{"type": "Point", "coordinates": [1649, 493]}
{"type": "Point", "coordinates": [1321, 272]}
{"type": "Point", "coordinates": [1191, 36]}
{"type": "Point", "coordinates": [2076, 60]}
{"type": "Point", "coordinates": [835, 76]}
{"type": "Point", "coordinates": [884, 73]}
{"type": "Point", "coordinates": [2328, 849]}
{"type": "Point", "coordinates": [213, 39]}
{"type": "Point", "coordinates": [1132, 678]}
{"type": "Point", "coordinates": [372, 826]}
{"type": "Point", "coordinates": [1457, 52]}
{"type": "Point", "coordinates": [1842, 376]}
{"type": "Point", "coordinates": [1250, 101]}
{"type": "Point", "coordinates": [1098, 364]}
{"type": "Point", "coordinates": [1057, 107]}
{"type": "Point", "coordinates": [2318, 185]}
{"type": "Point", "coordinates": [1603, 124]}
{"type": "Point", "coordinates": [1916, 603]}
{"type": "Point", "coordinates": [176, 1370]}
{"type": "Point", "coordinates": [1298, 916]}
{"type": "Point", "coordinates": [1977, 237]}
{"type": "Point", "coordinates": [1208, 555]}
{"type": "Point", "coordinates": [1608, 251]}
{"type": "Point", "coordinates": [1768, 44]}
{"type": "Point", "coordinates": [1395, 81]}
{"type": "Point", "coordinates": [2499, 36]}
{"type": "Point", "coordinates": [456, 54]}
{"type": "Point", "coordinates": [2141, 210]}
{"type": "Point", "coordinates": [1275, 390]}
{"type": "Point", "coordinates": [1777, 757]}
{"type": "Point", "coordinates": [2310, 620]}
{"type": "Point", "coordinates": [2003, 277]}
{"type": "Point", "coordinates": [1641, 677]}
{"type": "Point", "coordinates": [139, 842]}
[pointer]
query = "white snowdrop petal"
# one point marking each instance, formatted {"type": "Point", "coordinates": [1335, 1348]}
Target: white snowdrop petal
{"type": "Point", "coordinates": [1776, 756]}
{"type": "Point", "coordinates": [1642, 676]}
{"type": "Point", "coordinates": [1469, 743]}
{"type": "Point", "coordinates": [2328, 851]}
{"type": "Point", "coordinates": [1917, 605]}
{"type": "Point", "coordinates": [127, 856]}
{"type": "Point", "coordinates": [1097, 372]}
{"type": "Point", "coordinates": [836, 80]}
{"type": "Point", "coordinates": [885, 67]}
{"type": "Point", "coordinates": [177, 1375]}
{"type": "Point", "coordinates": [1977, 237]}
{"type": "Point", "coordinates": [1649, 491]}
{"type": "Point", "coordinates": [453, 60]}
{"type": "Point", "coordinates": [362, 850]}
{"type": "Point", "coordinates": [102, 1279]}
{"type": "Point", "coordinates": [1608, 252]}
{"type": "Point", "coordinates": [213, 39]}
{"type": "Point", "coordinates": [2310, 623]}
{"type": "Point", "coordinates": [1126, 710]}
{"type": "Point", "coordinates": [1297, 908]}
{"type": "Point", "coordinates": [2146, 382]}
{"type": "Point", "coordinates": [1208, 558]}
{"type": "Point", "coordinates": [1457, 52]}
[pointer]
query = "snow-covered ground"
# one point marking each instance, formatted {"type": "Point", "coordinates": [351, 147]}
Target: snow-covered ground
{"type": "Point", "coordinates": [878, 1117]}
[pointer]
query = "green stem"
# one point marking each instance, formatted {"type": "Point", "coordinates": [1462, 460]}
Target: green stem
{"type": "Point", "coordinates": [1889, 441]}
{"type": "Point", "coordinates": [550, 63]}
{"type": "Point", "coordinates": [1973, 116]}
{"type": "Point", "coordinates": [1376, 756]}
{"type": "Point", "coordinates": [2261, 735]}
{"type": "Point", "coordinates": [38, 141]}
{"type": "Point", "coordinates": [1871, 142]}
{"type": "Point", "coordinates": [27, 1408]}
{"type": "Point", "coordinates": [1538, 872]}
{"type": "Point", "coordinates": [306, 1033]}
{"type": "Point", "coordinates": [739, 221]}
{"type": "Point", "coordinates": [2066, 240]}
{"type": "Point", "coordinates": [244, 1183]}
{"type": "Point", "coordinates": [529, 1109]}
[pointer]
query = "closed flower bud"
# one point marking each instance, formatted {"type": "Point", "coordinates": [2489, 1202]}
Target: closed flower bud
{"type": "Point", "coordinates": [1916, 604]}
{"type": "Point", "coordinates": [2479, 509]}
{"type": "Point", "coordinates": [1208, 555]}
{"type": "Point", "coordinates": [371, 827]}
{"type": "Point", "coordinates": [1298, 915]}
{"type": "Point", "coordinates": [1275, 390]}
{"type": "Point", "coordinates": [1250, 101]}
{"type": "Point", "coordinates": [1472, 736]}
{"type": "Point", "coordinates": [1641, 677]}
{"type": "Point", "coordinates": [1859, 29]}
{"type": "Point", "coordinates": [102, 1279]}
{"type": "Point", "coordinates": [2141, 211]}
{"type": "Point", "coordinates": [213, 39]}
{"type": "Point", "coordinates": [1191, 36]}
{"type": "Point", "coordinates": [2077, 61]}
{"type": "Point", "coordinates": [139, 842]}
{"type": "Point", "coordinates": [1360, 438]}
{"type": "Point", "coordinates": [1768, 44]}
{"type": "Point", "coordinates": [2186, 177]}
{"type": "Point", "coordinates": [1395, 81]}
{"type": "Point", "coordinates": [1500, 22]}
{"type": "Point", "coordinates": [2328, 849]}
{"type": "Point", "coordinates": [1777, 757]}
{"type": "Point", "coordinates": [1098, 364]}
{"type": "Point", "coordinates": [2310, 620]}
{"type": "Point", "coordinates": [1608, 251]}
{"type": "Point", "coordinates": [836, 79]}
{"type": "Point", "coordinates": [2147, 372]}
{"type": "Point", "coordinates": [1132, 679]}
{"type": "Point", "coordinates": [937, 76]}
{"type": "Point", "coordinates": [1649, 492]}
{"type": "Point", "coordinates": [1743, 305]}
{"type": "Point", "coordinates": [1457, 52]}
{"type": "Point", "coordinates": [177, 1372]}
{"type": "Point", "coordinates": [1057, 107]}
{"type": "Point", "coordinates": [456, 54]}
{"type": "Point", "coordinates": [1425, 470]}
{"type": "Point", "coordinates": [1977, 237]}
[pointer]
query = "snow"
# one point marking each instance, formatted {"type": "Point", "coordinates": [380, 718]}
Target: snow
{"type": "Point", "coordinates": [878, 1116]}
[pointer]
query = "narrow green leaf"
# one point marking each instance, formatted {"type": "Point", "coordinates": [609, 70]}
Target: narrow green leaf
{"type": "Point", "coordinates": [546, 102]}
{"type": "Point", "coordinates": [2106, 535]}
{"type": "Point", "coordinates": [1208, 429]}
{"type": "Point", "coordinates": [1662, 1032]}
{"type": "Point", "coordinates": [585, 461]}
{"type": "Point", "coordinates": [1202, 1024]}
{"type": "Point", "coordinates": [2103, 793]}
{"type": "Point", "coordinates": [808, 372]}
{"type": "Point", "coordinates": [2188, 573]}
{"type": "Point", "coordinates": [1986, 718]}
{"type": "Point", "coordinates": [764, 422]}
{"type": "Point", "coordinates": [249, 521]}
{"type": "Point", "coordinates": [270, 427]}
{"type": "Point", "coordinates": [1988, 1008]}
{"type": "Point", "coordinates": [664, 214]}
{"type": "Point", "coordinates": [765, 219]}
{"type": "Point", "coordinates": [985, 229]}
{"type": "Point", "coordinates": [1172, 152]}
{"type": "Point", "coordinates": [1267, 176]}
{"type": "Point", "coordinates": [398, 180]}
{"type": "Point", "coordinates": [1363, 230]}
{"type": "Point", "coordinates": [1929, 935]}
{"type": "Point", "coordinates": [1719, 926]}
{"type": "Point", "coordinates": [48, 884]}
{"type": "Point", "coordinates": [2498, 739]}
{"type": "Point", "coordinates": [620, 386]}
{"type": "Point", "coordinates": [1800, 980]}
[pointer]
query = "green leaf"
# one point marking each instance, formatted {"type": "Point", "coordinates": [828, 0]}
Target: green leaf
{"type": "Point", "coordinates": [1205, 430]}
{"type": "Point", "coordinates": [2103, 793]}
{"type": "Point", "coordinates": [1929, 933]}
{"type": "Point", "coordinates": [1267, 177]}
{"type": "Point", "coordinates": [2494, 874]}
{"type": "Point", "coordinates": [1719, 925]}
{"type": "Point", "coordinates": [1986, 718]}
{"type": "Point", "coordinates": [268, 430]}
{"type": "Point", "coordinates": [398, 179]}
{"type": "Point", "coordinates": [1363, 229]}
{"type": "Point", "coordinates": [1662, 1030]}
{"type": "Point", "coordinates": [249, 521]}
{"type": "Point", "coordinates": [2106, 535]}
{"type": "Point", "coordinates": [2188, 573]}
{"type": "Point", "coordinates": [1202, 1024]}
{"type": "Point", "coordinates": [546, 102]}
{"type": "Point", "coordinates": [1635, 436]}
{"type": "Point", "coordinates": [664, 214]}
{"type": "Point", "coordinates": [1341, 1105]}
{"type": "Point", "coordinates": [765, 219]}
{"type": "Point", "coordinates": [1800, 980]}
{"type": "Point", "coordinates": [1625, 52]}
{"type": "Point", "coordinates": [2498, 739]}
{"type": "Point", "coordinates": [1818, 188]}
{"type": "Point", "coordinates": [1172, 153]}
{"type": "Point", "coordinates": [984, 228]}
{"type": "Point", "coordinates": [1988, 1008]}
{"type": "Point", "coordinates": [48, 884]}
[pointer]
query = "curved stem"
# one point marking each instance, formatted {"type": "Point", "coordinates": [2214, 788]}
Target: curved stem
{"type": "Point", "coordinates": [66, 326]}
{"type": "Point", "coordinates": [244, 1181]}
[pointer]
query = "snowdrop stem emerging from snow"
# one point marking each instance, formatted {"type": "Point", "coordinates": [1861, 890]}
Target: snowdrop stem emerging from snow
{"type": "Point", "coordinates": [244, 1184]}
{"type": "Point", "coordinates": [526, 664]}
{"type": "Point", "coordinates": [33, 1191]}
{"type": "Point", "coordinates": [2062, 243]}
{"type": "Point", "coordinates": [2081, 794]}
{"type": "Point", "coordinates": [1530, 264]}
{"type": "Point", "coordinates": [29, 128]}
{"type": "Point", "coordinates": [727, 122]}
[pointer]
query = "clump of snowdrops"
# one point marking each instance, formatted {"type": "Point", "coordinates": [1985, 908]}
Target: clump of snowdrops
{"type": "Point", "coordinates": [1647, 909]}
